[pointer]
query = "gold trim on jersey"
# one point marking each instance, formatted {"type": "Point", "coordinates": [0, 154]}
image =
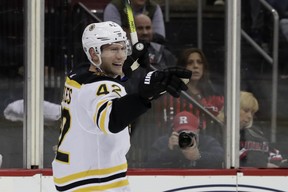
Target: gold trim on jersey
{"type": "Point", "coordinates": [72, 83]}
{"type": "Point", "coordinates": [117, 184]}
{"type": "Point", "coordinates": [102, 119]}
{"type": "Point", "coordinates": [95, 119]}
{"type": "Point", "coordinates": [89, 173]}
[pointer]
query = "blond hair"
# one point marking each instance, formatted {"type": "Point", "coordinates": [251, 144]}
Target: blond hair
{"type": "Point", "coordinates": [247, 102]}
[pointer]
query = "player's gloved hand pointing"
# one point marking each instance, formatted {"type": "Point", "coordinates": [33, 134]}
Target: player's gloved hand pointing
{"type": "Point", "coordinates": [156, 83]}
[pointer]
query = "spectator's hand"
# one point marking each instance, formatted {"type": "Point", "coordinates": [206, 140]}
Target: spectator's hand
{"type": "Point", "coordinates": [156, 83]}
{"type": "Point", "coordinates": [173, 140]}
{"type": "Point", "coordinates": [192, 153]}
{"type": "Point", "coordinates": [140, 55]}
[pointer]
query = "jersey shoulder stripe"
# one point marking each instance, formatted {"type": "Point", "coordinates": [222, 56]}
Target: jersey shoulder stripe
{"type": "Point", "coordinates": [101, 106]}
{"type": "Point", "coordinates": [102, 115]}
{"type": "Point", "coordinates": [72, 83]}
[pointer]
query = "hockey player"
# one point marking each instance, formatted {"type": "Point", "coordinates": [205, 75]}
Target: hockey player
{"type": "Point", "coordinates": [96, 112]}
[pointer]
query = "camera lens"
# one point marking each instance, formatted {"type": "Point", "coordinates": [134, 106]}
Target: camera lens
{"type": "Point", "coordinates": [185, 139]}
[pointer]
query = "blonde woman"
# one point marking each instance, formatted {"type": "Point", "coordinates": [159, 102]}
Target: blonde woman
{"type": "Point", "coordinates": [254, 146]}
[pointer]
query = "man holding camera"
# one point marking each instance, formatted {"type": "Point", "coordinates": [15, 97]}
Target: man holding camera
{"type": "Point", "coordinates": [186, 147]}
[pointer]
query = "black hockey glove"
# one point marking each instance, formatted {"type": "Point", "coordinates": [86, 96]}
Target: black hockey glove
{"type": "Point", "coordinates": [139, 54]}
{"type": "Point", "coordinates": [156, 83]}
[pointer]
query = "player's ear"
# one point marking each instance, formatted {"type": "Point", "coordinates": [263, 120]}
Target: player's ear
{"type": "Point", "coordinates": [94, 56]}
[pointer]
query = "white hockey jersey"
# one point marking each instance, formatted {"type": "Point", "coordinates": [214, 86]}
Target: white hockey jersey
{"type": "Point", "coordinates": [89, 156]}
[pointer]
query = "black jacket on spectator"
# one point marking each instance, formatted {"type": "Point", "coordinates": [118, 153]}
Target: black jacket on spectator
{"type": "Point", "coordinates": [254, 148]}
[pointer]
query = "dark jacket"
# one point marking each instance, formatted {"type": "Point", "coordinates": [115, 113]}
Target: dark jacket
{"type": "Point", "coordinates": [254, 148]}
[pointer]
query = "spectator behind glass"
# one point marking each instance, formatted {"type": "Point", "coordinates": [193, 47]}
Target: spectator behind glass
{"type": "Point", "coordinates": [255, 150]}
{"type": "Point", "coordinates": [201, 89]}
{"type": "Point", "coordinates": [158, 53]}
{"type": "Point", "coordinates": [115, 11]}
{"type": "Point", "coordinates": [204, 151]}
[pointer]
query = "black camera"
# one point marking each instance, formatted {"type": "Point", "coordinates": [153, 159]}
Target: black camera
{"type": "Point", "coordinates": [186, 139]}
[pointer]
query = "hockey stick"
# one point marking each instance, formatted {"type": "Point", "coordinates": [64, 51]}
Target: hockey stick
{"type": "Point", "coordinates": [132, 28]}
{"type": "Point", "coordinates": [130, 17]}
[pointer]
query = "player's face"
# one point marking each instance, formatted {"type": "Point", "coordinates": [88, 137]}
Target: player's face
{"type": "Point", "coordinates": [195, 64]}
{"type": "Point", "coordinates": [113, 57]}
